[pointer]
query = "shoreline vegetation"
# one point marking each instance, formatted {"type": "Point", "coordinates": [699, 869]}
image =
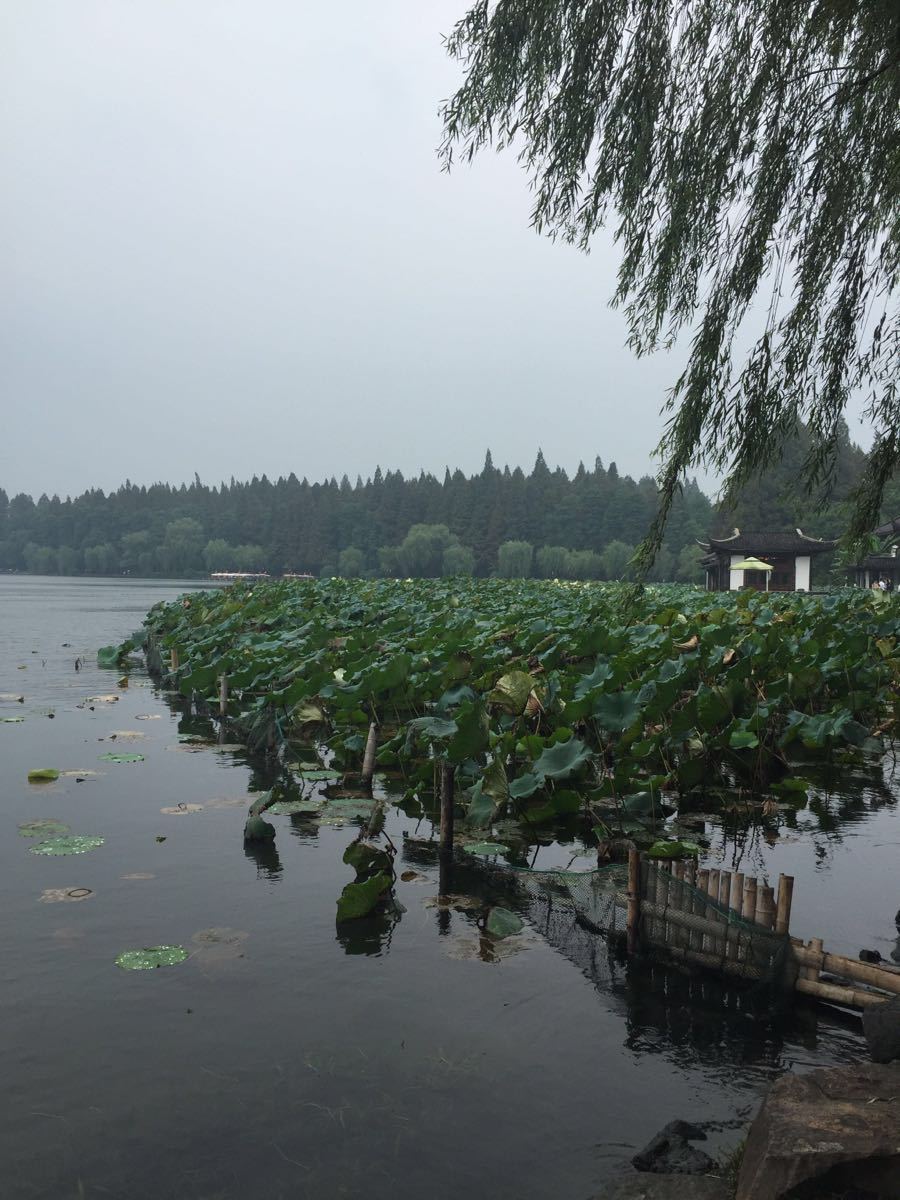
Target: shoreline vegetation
{"type": "Point", "coordinates": [549, 702]}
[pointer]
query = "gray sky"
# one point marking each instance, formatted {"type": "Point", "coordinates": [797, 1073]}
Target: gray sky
{"type": "Point", "coordinates": [227, 247]}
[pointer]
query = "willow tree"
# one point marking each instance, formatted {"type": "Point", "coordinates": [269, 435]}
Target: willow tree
{"type": "Point", "coordinates": [747, 155]}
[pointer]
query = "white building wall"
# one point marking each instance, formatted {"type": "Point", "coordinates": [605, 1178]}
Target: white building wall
{"type": "Point", "coordinates": [736, 578]}
{"type": "Point", "coordinates": [801, 572]}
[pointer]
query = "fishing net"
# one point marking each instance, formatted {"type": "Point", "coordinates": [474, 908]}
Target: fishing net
{"type": "Point", "coordinates": [679, 922]}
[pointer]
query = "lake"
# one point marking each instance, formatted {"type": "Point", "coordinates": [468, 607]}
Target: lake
{"type": "Point", "coordinates": [288, 1058]}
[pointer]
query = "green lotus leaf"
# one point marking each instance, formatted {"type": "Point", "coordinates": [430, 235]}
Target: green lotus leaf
{"type": "Point", "coordinates": [43, 775]}
{"type": "Point", "coordinates": [673, 850]}
{"type": "Point", "coordinates": [502, 923]}
{"type": "Point", "coordinates": [358, 899]}
{"type": "Point", "coordinates": [617, 711]}
{"type": "Point", "coordinates": [150, 957]}
{"type": "Point", "coordinates": [122, 758]}
{"type": "Point", "coordinates": [74, 844]}
{"type": "Point", "coordinates": [562, 760]}
{"type": "Point", "coordinates": [523, 787]}
{"type": "Point", "coordinates": [487, 848]}
{"type": "Point", "coordinates": [47, 828]}
{"type": "Point", "coordinates": [11, 720]}
{"type": "Point", "coordinates": [290, 807]}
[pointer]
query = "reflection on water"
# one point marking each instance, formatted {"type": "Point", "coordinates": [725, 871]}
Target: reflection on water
{"type": "Point", "coordinates": [322, 1060]}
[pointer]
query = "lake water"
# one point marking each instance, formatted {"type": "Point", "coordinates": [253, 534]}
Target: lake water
{"type": "Point", "coordinates": [286, 1058]}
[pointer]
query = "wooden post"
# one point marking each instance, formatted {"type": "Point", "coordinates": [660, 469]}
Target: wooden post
{"type": "Point", "coordinates": [223, 696]}
{"type": "Point", "coordinates": [634, 899]}
{"type": "Point", "coordinates": [783, 909]}
{"type": "Point", "coordinates": [725, 888]}
{"type": "Point", "coordinates": [368, 767]}
{"type": "Point", "coordinates": [765, 907]}
{"type": "Point", "coordinates": [446, 843]}
{"type": "Point", "coordinates": [174, 659]}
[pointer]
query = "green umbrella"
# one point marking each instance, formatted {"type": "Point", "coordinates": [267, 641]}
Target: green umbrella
{"type": "Point", "coordinates": [753, 564]}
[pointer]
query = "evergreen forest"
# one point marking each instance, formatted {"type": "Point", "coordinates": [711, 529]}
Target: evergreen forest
{"type": "Point", "coordinates": [498, 522]}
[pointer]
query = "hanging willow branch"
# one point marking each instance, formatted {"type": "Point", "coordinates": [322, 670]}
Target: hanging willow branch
{"type": "Point", "coordinates": [748, 156]}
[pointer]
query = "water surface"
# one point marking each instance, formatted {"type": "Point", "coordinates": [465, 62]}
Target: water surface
{"type": "Point", "coordinates": [294, 1059]}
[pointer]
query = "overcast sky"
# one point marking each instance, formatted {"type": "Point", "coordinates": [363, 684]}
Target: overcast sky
{"type": "Point", "coordinates": [228, 248]}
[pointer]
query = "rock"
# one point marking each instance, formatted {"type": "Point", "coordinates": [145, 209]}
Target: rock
{"type": "Point", "coordinates": [881, 1025]}
{"type": "Point", "coordinates": [664, 1187]}
{"type": "Point", "coordinates": [839, 1128]}
{"type": "Point", "coordinates": [670, 1152]}
{"type": "Point", "coordinates": [870, 956]}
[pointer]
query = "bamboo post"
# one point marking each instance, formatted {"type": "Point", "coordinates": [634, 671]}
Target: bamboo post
{"type": "Point", "coordinates": [223, 696]}
{"type": "Point", "coordinates": [735, 903]}
{"type": "Point", "coordinates": [765, 907]}
{"type": "Point", "coordinates": [699, 906]}
{"type": "Point", "coordinates": [368, 767]}
{"type": "Point", "coordinates": [748, 905]}
{"type": "Point", "coordinates": [446, 842]}
{"type": "Point", "coordinates": [660, 899]}
{"type": "Point", "coordinates": [783, 908]}
{"type": "Point", "coordinates": [725, 888]}
{"type": "Point", "coordinates": [634, 899]}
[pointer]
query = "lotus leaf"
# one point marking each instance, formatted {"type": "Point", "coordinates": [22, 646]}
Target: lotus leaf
{"type": "Point", "coordinates": [502, 923]}
{"type": "Point", "coordinates": [122, 758]}
{"type": "Point", "coordinates": [511, 692]}
{"type": "Point", "coordinates": [487, 848]}
{"type": "Point", "coordinates": [617, 711]}
{"type": "Point", "coordinates": [73, 844]}
{"type": "Point", "coordinates": [43, 775]}
{"type": "Point", "coordinates": [150, 957]}
{"type": "Point", "coordinates": [358, 899]}
{"type": "Point", "coordinates": [562, 760]}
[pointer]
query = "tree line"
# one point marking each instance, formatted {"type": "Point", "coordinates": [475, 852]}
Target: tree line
{"type": "Point", "coordinates": [496, 522]}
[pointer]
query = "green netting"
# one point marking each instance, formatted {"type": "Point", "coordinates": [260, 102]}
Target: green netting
{"type": "Point", "coordinates": [679, 923]}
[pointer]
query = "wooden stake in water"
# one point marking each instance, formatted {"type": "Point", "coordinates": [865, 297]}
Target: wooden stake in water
{"type": "Point", "coordinates": [223, 696]}
{"type": "Point", "coordinates": [783, 908]}
{"type": "Point", "coordinates": [634, 899]}
{"type": "Point", "coordinates": [446, 843]}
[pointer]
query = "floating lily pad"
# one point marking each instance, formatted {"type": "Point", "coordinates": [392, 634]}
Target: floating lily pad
{"type": "Point", "coordinates": [289, 807]}
{"type": "Point", "coordinates": [43, 775]}
{"type": "Point", "coordinates": [150, 957]}
{"type": "Point", "coordinates": [46, 828]}
{"type": "Point", "coordinates": [110, 699]}
{"type": "Point", "coordinates": [488, 848]}
{"type": "Point", "coordinates": [75, 844]}
{"type": "Point", "coordinates": [320, 775]}
{"type": "Point", "coordinates": [455, 901]}
{"type": "Point", "coordinates": [11, 720]}
{"type": "Point", "coordinates": [181, 810]}
{"type": "Point", "coordinates": [148, 717]}
{"type": "Point", "coordinates": [122, 758]}
{"type": "Point", "coordinates": [67, 895]}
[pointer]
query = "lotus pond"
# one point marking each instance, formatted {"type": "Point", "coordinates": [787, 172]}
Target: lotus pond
{"type": "Point", "coordinates": [188, 1019]}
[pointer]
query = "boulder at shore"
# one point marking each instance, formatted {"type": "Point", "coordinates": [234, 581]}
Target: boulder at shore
{"type": "Point", "coordinates": [838, 1127]}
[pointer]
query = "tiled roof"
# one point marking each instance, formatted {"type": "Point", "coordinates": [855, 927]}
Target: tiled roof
{"type": "Point", "coordinates": [889, 528]}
